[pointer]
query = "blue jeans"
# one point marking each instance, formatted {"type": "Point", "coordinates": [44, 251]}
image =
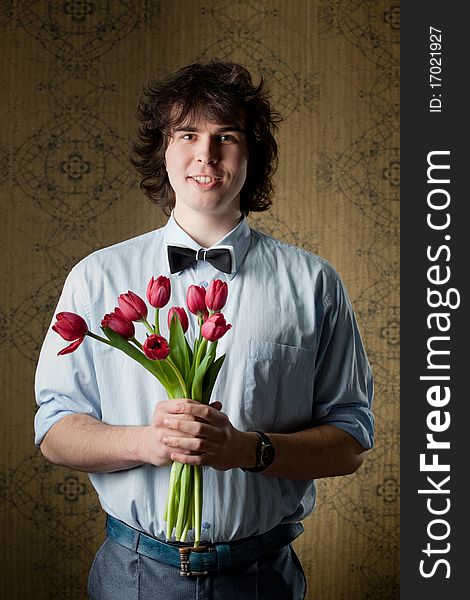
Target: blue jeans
{"type": "Point", "coordinates": [118, 573]}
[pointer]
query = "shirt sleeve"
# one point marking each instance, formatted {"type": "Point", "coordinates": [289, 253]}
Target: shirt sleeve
{"type": "Point", "coordinates": [65, 384]}
{"type": "Point", "coordinates": [343, 390]}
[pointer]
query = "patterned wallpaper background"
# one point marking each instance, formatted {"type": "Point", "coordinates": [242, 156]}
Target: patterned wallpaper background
{"type": "Point", "coordinates": [70, 73]}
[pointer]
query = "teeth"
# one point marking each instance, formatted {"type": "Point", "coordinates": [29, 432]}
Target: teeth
{"type": "Point", "coordinates": [204, 179]}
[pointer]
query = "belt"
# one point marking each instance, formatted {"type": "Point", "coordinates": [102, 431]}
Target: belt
{"type": "Point", "coordinates": [207, 557]}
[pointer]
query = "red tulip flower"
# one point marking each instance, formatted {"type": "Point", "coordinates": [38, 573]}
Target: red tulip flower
{"type": "Point", "coordinates": [196, 300]}
{"type": "Point", "coordinates": [132, 306]}
{"type": "Point", "coordinates": [181, 315]}
{"type": "Point", "coordinates": [216, 295]}
{"type": "Point", "coordinates": [159, 291]}
{"type": "Point", "coordinates": [118, 323]}
{"type": "Point", "coordinates": [214, 327]}
{"type": "Point", "coordinates": [156, 347]}
{"type": "Point", "coordinates": [71, 327]}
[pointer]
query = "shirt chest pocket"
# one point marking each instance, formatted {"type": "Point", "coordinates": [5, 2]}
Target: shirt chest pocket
{"type": "Point", "coordinates": [278, 387]}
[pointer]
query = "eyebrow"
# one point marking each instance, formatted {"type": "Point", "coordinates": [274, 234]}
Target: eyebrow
{"type": "Point", "coordinates": [222, 129]}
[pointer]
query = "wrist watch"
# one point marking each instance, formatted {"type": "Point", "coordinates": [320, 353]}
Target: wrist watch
{"type": "Point", "coordinates": [265, 454]}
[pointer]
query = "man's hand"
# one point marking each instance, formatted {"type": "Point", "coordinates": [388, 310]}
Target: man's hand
{"type": "Point", "coordinates": [153, 447]}
{"type": "Point", "coordinates": [190, 432]}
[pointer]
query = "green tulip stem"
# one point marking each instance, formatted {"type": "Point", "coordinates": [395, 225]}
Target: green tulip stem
{"type": "Point", "coordinates": [157, 321]}
{"type": "Point", "coordinates": [99, 338]}
{"type": "Point", "coordinates": [184, 500]}
{"type": "Point", "coordinates": [201, 351]}
{"type": "Point", "coordinates": [201, 322]}
{"type": "Point", "coordinates": [136, 342]}
{"type": "Point", "coordinates": [197, 499]}
{"type": "Point", "coordinates": [188, 521]}
{"type": "Point", "coordinates": [147, 325]}
{"type": "Point", "coordinates": [171, 507]}
{"type": "Point", "coordinates": [178, 376]}
{"type": "Point", "coordinates": [213, 348]}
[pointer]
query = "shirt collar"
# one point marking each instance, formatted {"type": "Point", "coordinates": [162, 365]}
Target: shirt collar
{"type": "Point", "coordinates": [239, 238]}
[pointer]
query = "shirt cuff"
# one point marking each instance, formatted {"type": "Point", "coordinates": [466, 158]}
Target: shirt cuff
{"type": "Point", "coordinates": [360, 426]}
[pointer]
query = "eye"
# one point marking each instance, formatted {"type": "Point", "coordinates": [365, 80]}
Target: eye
{"type": "Point", "coordinates": [225, 137]}
{"type": "Point", "coordinates": [187, 136]}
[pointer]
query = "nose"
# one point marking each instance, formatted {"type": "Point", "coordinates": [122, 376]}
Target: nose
{"type": "Point", "coordinates": [207, 151]}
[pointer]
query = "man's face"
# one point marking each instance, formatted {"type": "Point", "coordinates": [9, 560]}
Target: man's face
{"type": "Point", "coordinates": [206, 164]}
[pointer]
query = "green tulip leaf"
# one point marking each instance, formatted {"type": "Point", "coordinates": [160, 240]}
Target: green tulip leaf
{"type": "Point", "coordinates": [196, 389]}
{"type": "Point", "coordinates": [210, 378]}
{"type": "Point", "coordinates": [122, 344]}
{"type": "Point", "coordinates": [159, 368]}
{"type": "Point", "coordinates": [179, 348]}
{"type": "Point", "coordinates": [200, 346]}
{"type": "Point", "coordinates": [190, 352]}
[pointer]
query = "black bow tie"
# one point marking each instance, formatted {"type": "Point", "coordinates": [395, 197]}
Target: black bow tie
{"type": "Point", "coordinates": [180, 257]}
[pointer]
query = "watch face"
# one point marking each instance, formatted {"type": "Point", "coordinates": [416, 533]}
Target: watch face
{"type": "Point", "coordinates": [267, 455]}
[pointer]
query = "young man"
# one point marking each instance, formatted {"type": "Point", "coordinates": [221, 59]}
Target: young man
{"type": "Point", "coordinates": [291, 404]}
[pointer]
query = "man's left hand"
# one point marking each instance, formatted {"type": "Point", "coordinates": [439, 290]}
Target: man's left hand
{"type": "Point", "coordinates": [213, 440]}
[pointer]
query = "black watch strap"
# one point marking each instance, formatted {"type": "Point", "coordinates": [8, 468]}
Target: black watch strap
{"type": "Point", "coordinates": [265, 454]}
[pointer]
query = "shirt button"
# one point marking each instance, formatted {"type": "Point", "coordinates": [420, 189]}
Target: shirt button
{"type": "Point", "coordinates": [204, 284]}
{"type": "Point", "coordinates": [206, 525]}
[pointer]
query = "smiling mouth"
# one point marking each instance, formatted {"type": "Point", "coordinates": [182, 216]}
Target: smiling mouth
{"type": "Point", "coordinates": [205, 178]}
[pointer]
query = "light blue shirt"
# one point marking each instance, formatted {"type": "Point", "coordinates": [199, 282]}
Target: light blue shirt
{"type": "Point", "coordinates": [294, 359]}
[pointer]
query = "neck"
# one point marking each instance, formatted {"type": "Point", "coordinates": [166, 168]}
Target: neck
{"type": "Point", "coordinates": [206, 230]}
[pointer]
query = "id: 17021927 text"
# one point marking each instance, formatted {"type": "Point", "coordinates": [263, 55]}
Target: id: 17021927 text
{"type": "Point", "coordinates": [435, 69]}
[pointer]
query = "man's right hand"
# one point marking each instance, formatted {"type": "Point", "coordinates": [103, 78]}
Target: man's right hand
{"type": "Point", "coordinates": [82, 442]}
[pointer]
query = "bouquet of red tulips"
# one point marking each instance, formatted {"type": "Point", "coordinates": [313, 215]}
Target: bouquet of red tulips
{"type": "Point", "coordinates": [183, 371]}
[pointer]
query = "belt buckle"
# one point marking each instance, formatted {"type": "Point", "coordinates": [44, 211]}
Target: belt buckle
{"type": "Point", "coordinates": [184, 552]}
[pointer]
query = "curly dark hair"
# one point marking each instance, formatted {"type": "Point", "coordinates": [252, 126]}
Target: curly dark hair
{"type": "Point", "coordinates": [219, 92]}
